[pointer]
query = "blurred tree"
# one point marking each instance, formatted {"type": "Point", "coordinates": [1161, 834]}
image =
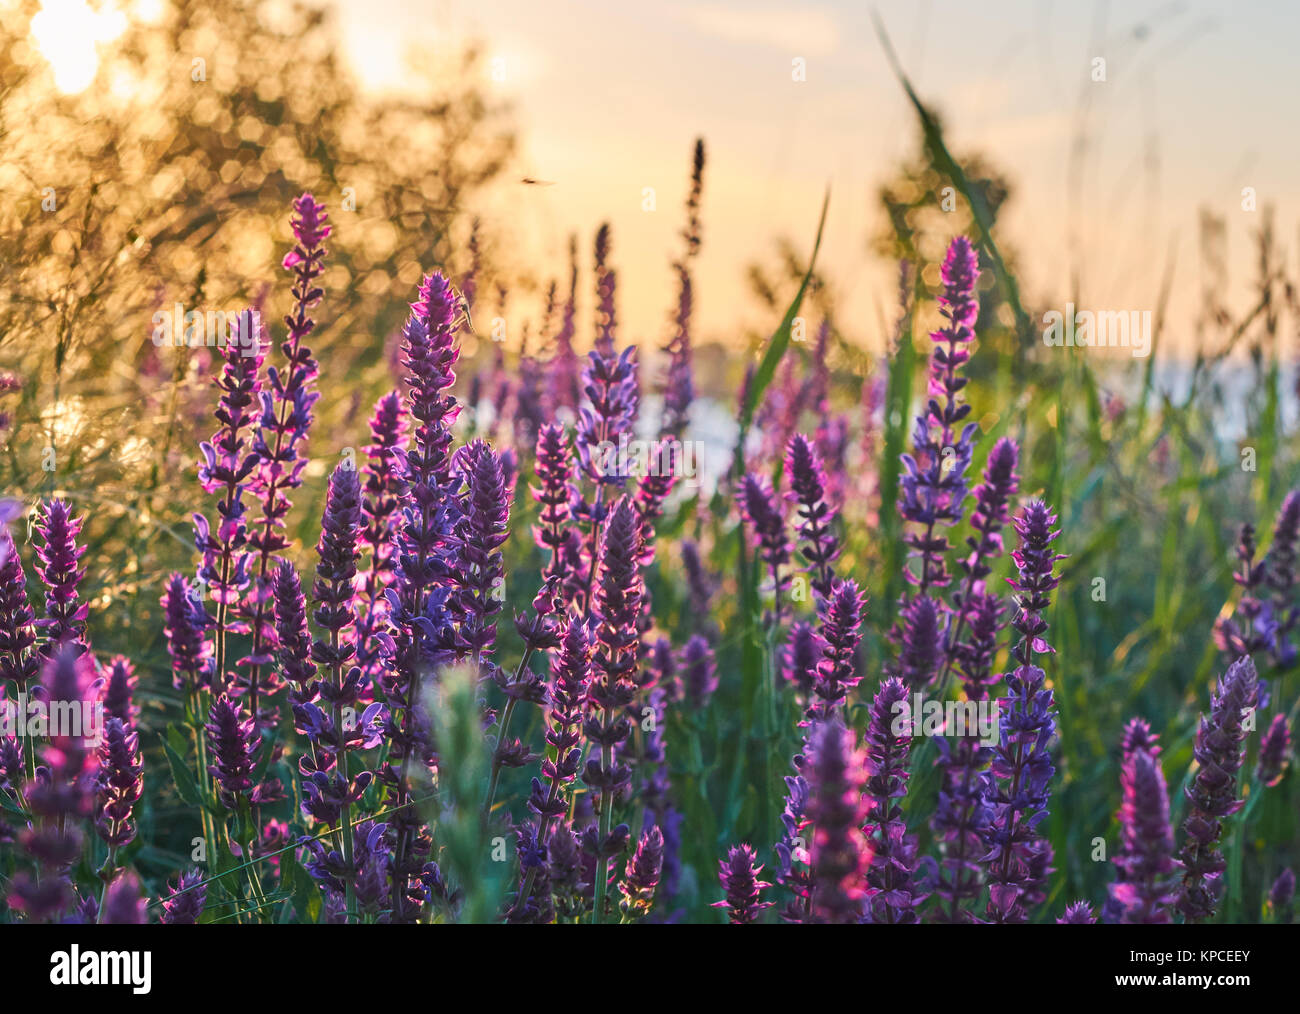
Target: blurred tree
{"type": "Point", "coordinates": [168, 181]}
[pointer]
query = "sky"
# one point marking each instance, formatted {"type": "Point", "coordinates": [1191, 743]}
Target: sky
{"type": "Point", "coordinates": [1110, 176]}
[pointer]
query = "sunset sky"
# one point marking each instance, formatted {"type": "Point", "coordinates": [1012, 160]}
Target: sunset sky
{"type": "Point", "coordinates": [1197, 104]}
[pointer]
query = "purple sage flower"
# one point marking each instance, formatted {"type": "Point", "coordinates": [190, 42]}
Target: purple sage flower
{"type": "Point", "coordinates": [739, 874]}
{"type": "Point", "coordinates": [59, 557]}
{"type": "Point", "coordinates": [184, 902]}
{"type": "Point", "coordinates": [1274, 752]}
{"type": "Point", "coordinates": [1212, 794]}
{"type": "Point", "coordinates": [840, 853]}
{"type": "Point", "coordinates": [1146, 853]}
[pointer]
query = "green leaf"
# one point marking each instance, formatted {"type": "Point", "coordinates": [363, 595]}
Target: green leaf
{"type": "Point", "coordinates": [776, 347]}
{"type": "Point", "coordinates": [301, 888]}
{"type": "Point", "coordinates": [182, 775]}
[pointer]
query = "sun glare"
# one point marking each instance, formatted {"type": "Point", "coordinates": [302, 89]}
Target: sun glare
{"type": "Point", "coordinates": [67, 33]}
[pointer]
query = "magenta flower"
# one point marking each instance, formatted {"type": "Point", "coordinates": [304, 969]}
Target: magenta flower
{"type": "Point", "coordinates": [123, 902]}
{"type": "Point", "coordinates": [19, 659]}
{"type": "Point", "coordinates": [920, 644]}
{"type": "Point", "coordinates": [184, 624]}
{"type": "Point", "coordinates": [1146, 856]}
{"type": "Point", "coordinates": [762, 512]}
{"type": "Point", "coordinates": [801, 655]}
{"type": "Point", "coordinates": [617, 611]}
{"type": "Point", "coordinates": [482, 532]}
{"type": "Point", "coordinates": [553, 493]}
{"type": "Point", "coordinates": [837, 673]}
{"type": "Point", "coordinates": [698, 672]}
{"type": "Point", "coordinates": [977, 613]}
{"type": "Point", "coordinates": [933, 488]}
{"type": "Point", "coordinates": [227, 469]}
{"type": "Point", "coordinates": [58, 558]}
{"type": "Point", "coordinates": [841, 853]}
{"type": "Point", "coordinates": [1212, 795]}
{"type": "Point", "coordinates": [234, 743]}
{"type": "Point", "coordinates": [641, 876]}
{"type": "Point", "coordinates": [1077, 912]}
{"type": "Point", "coordinates": [739, 874]}
{"type": "Point", "coordinates": [1274, 752]}
{"type": "Point", "coordinates": [1019, 857]}
{"type": "Point", "coordinates": [817, 518]}
{"type": "Point", "coordinates": [120, 782]}
{"type": "Point", "coordinates": [184, 902]}
{"type": "Point", "coordinates": [384, 489]}
{"type": "Point", "coordinates": [282, 428]}
{"type": "Point", "coordinates": [63, 795]}
{"type": "Point", "coordinates": [892, 896]}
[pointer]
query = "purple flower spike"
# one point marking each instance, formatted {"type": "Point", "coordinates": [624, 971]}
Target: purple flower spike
{"type": "Point", "coordinates": [234, 743]}
{"type": "Point", "coordinates": [19, 660]}
{"type": "Point", "coordinates": [384, 489]}
{"type": "Point", "coordinates": [61, 797]}
{"type": "Point", "coordinates": [641, 877]}
{"type": "Point", "coordinates": [570, 678]}
{"type": "Point", "coordinates": [816, 517]}
{"type": "Point", "coordinates": [617, 611]}
{"type": "Point", "coordinates": [762, 512]}
{"type": "Point", "coordinates": [605, 282]}
{"type": "Point", "coordinates": [653, 489]}
{"type": "Point", "coordinates": [892, 897]}
{"type": "Point", "coordinates": [120, 783]}
{"type": "Point", "coordinates": [482, 534]}
{"type": "Point", "coordinates": [918, 657]}
{"type": "Point", "coordinates": [1282, 575]}
{"type": "Point", "coordinates": [119, 690]}
{"type": "Point", "coordinates": [336, 570]}
{"type": "Point", "coordinates": [1212, 795]}
{"type": "Point", "coordinates": [739, 874]}
{"type": "Point", "coordinates": [1251, 627]}
{"type": "Point", "coordinates": [609, 383]}
{"type": "Point", "coordinates": [123, 903]}
{"type": "Point", "coordinates": [699, 672]}
{"type": "Point", "coordinates": [1146, 856]}
{"type": "Point", "coordinates": [1078, 912]}
{"type": "Point", "coordinates": [59, 555]}
{"type": "Point", "coordinates": [933, 486]}
{"type": "Point", "coordinates": [553, 493]}
{"type": "Point", "coordinates": [1138, 736]}
{"type": "Point", "coordinates": [801, 656]}
{"type": "Point", "coordinates": [184, 902]}
{"type": "Point", "coordinates": [185, 621]}
{"type": "Point", "coordinates": [841, 853]}
{"type": "Point", "coordinates": [971, 641]}
{"type": "Point", "coordinates": [1022, 764]}
{"type": "Point", "coordinates": [1019, 857]}
{"type": "Point", "coordinates": [293, 640]}
{"type": "Point", "coordinates": [1274, 752]}
{"type": "Point", "coordinates": [1034, 560]}
{"type": "Point", "coordinates": [841, 633]}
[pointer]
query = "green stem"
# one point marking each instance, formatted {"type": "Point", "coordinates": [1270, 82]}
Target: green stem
{"type": "Point", "coordinates": [345, 822]}
{"type": "Point", "coordinates": [606, 819]}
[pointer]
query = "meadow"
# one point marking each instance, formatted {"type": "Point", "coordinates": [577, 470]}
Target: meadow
{"type": "Point", "coordinates": [431, 627]}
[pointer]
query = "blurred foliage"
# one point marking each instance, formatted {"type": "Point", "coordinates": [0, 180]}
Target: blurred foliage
{"type": "Point", "coordinates": [168, 181]}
